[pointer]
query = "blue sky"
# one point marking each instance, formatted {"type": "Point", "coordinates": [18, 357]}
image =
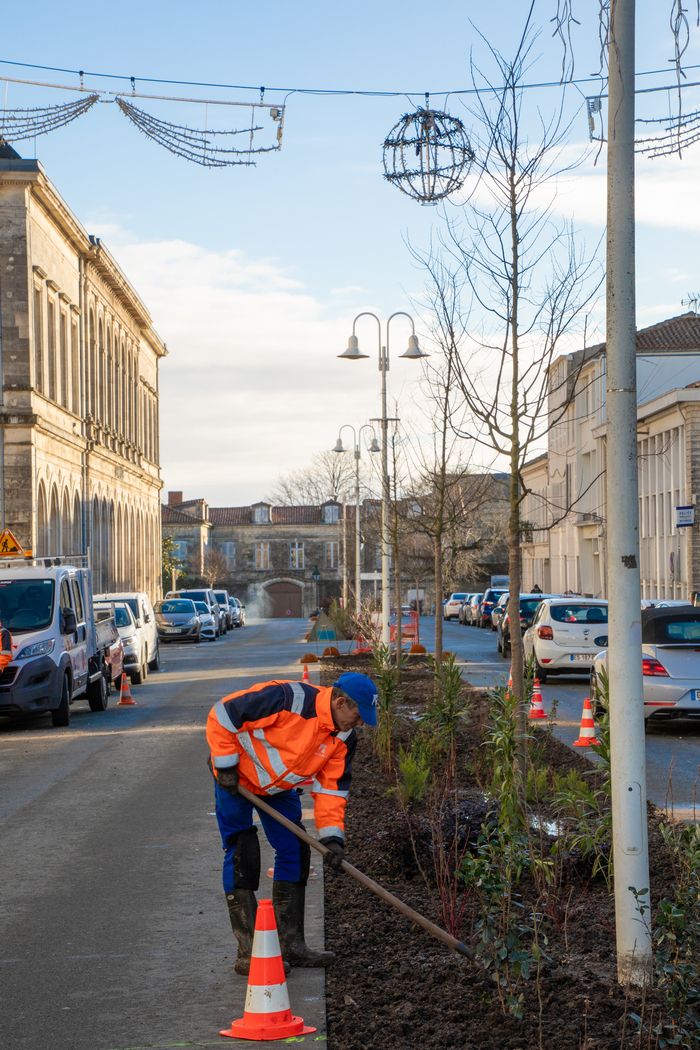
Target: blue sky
{"type": "Point", "coordinates": [253, 275]}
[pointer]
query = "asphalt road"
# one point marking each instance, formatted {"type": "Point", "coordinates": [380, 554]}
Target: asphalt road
{"type": "Point", "coordinates": [673, 749]}
{"type": "Point", "coordinates": [113, 928]}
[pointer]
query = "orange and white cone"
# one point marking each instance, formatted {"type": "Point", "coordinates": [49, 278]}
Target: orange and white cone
{"type": "Point", "coordinates": [125, 697]}
{"type": "Point", "coordinates": [510, 681]}
{"type": "Point", "coordinates": [536, 705]}
{"type": "Point", "coordinates": [267, 1014]}
{"type": "Point", "coordinates": [305, 676]}
{"type": "Point", "coordinates": [587, 737]}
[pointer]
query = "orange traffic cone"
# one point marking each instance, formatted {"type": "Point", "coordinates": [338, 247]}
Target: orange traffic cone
{"type": "Point", "coordinates": [587, 737]}
{"type": "Point", "coordinates": [536, 705]}
{"type": "Point", "coordinates": [305, 676]}
{"type": "Point", "coordinates": [266, 1014]}
{"type": "Point", "coordinates": [125, 697]}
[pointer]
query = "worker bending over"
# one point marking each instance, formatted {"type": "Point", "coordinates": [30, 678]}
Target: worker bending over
{"type": "Point", "coordinates": [271, 738]}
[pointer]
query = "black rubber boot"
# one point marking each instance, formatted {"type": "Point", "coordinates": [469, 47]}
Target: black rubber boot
{"type": "Point", "coordinates": [288, 899]}
{"type": "Point", "coordinates": [242, 908]}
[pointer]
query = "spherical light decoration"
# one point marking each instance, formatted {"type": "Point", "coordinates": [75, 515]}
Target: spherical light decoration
{"type": "Point", "coordinates": [427, 155]}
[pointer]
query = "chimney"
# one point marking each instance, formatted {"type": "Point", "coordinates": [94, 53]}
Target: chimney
{"type": "Point", "coordinates": [174, 498]}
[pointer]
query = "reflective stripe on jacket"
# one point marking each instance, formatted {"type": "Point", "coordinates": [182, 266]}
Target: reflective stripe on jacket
{"type": "Point", "coordinates": [280, 734]}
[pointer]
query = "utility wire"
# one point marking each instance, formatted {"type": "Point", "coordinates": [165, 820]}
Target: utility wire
{"type": "Point", "coordinates": [595, 79]}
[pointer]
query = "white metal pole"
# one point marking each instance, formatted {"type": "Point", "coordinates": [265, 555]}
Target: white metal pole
{"type": "Point", "coordinates": [630, 847]}
{"type": "Point", "coordinates": [386, 583]}
{"type": "Point", "coordinates": [345, 556]}
{"type": "Point", "coordinates": [358, 581]}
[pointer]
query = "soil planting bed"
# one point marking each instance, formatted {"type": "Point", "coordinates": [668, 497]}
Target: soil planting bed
{"type": "Point", "coordinates": [393, 987]}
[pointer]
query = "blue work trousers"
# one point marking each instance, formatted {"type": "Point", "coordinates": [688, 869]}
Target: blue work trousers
{"type": "Point", "coordinates": [235, 814]}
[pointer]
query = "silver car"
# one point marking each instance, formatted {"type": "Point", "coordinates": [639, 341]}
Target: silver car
{"type": "Point", "coordinates": [670, 663]}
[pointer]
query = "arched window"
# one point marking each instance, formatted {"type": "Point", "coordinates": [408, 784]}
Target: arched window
{"type": "Point", "coordinates": [100, 372]}
{"type": "Point", "coordinates": [42, 526]}
{"type": "Point", "coordinates": [77, 525]}
{"type": "Point", "coordinates": [54, 524]}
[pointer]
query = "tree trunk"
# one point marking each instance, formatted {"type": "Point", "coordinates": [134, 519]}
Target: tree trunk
{"type": "Point", "coordinates": [437, 553]}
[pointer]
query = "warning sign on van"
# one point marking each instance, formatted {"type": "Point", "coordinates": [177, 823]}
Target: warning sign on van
{"type": "Point", "coordinates": [10, 545]}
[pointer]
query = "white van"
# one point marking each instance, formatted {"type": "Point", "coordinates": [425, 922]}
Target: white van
{"type": "Point", "coordinates": [145, 619]}
{"type": "Point", "coordinates": [56, 655]}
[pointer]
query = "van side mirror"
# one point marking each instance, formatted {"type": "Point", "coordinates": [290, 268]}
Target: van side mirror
{"type": "Point", "coordinates": [146, 618]}
{"type": "Point", "coordinates": [69, 624]}
{"type": "Point", "coordinates": [139, 622]}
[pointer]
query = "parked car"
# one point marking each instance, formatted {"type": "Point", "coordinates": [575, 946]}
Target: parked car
{"type": "Point", "coordinates": [132, 636]}
{"type": "Point", "coordinates": [499, 610]}
{"type": "Point", "coordinates": [237, 611]}
{"type": "Point", "coordinates": [206, 595]}
{"type": "Point", "coordinates": [57, 656]}
{"type": "Point", "coordinates": [464, 609]}
{"type": "Point", "coordinates": [670, 663]}
{"type": "Point", "coordinates": [207, 620]}
{"type": "Point", "coordinates": [489, 600]}
{"type": "Point", "coordinates": [450, 609]}
{"type": "Point", "coordinates": [108, 636]}
{"type": "Point", "coordinates": [528, 608]}
{"type": "Point", "coordinates": [177, 620]}
{"type": "Point", "coordinates": [222, 598]}
{"type": "Point", "coordinates": [471, 616]}
{"type": "Point", "coordinates": [144, 617]}
{"type": "Point", "coordinates": [566, 634]}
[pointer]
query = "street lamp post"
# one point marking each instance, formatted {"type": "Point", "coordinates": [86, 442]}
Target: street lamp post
{"type": "Point", "coordinates": [373, 447]}
{"type": "Point", "coordinates": [413, 353]}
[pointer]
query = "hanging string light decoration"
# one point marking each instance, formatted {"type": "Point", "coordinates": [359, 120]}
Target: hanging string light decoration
{"type": "Point", "coordinates": [18, 124]}
{"type": "Point", "coordinates": [427, 154]}
{"type": "Point", "coordinates": [207, 147]}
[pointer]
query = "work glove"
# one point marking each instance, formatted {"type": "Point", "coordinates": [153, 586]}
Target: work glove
{"type": "Point", "coordinates": [228, 779]}
{"type": "Point", "coordinates": [336, 852]}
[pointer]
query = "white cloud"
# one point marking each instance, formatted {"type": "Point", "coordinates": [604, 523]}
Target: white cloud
{"type": "Point", "coordinates": [252, 388]}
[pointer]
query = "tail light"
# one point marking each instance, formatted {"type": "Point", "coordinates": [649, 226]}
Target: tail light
{"type": "Point", "coordinates": [545, 632]}
{"type": "Point", "coordinates": [652, 668]}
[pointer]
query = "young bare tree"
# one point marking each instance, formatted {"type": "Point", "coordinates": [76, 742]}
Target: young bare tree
{"type": "Point", "coordinates": [215, 567]}
{"type": "Point", "coordinates": [507, 285]}
{"type": "Point", "coordinates": [328, 477]}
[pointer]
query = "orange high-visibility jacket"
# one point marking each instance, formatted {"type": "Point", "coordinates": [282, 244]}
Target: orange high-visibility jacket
{"type": "Point", "coordinates": [280, 734]}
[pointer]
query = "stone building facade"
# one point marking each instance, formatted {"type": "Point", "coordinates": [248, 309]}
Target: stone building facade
{"type": "Point", "coordinates": [566, 493]}
{"type": "Point", "coordinates": [267, 556]}
{"type": "Point", "coordinates": [79, 451]}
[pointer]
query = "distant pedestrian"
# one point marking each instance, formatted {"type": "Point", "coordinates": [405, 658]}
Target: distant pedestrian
{"type": "Point", "coordinates": [271, 738]}
{"type": "Point", "coordinates": [5, 648]}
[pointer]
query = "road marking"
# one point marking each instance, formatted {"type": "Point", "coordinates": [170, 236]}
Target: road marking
{"type": "Point", "coordinates": [88, 733]}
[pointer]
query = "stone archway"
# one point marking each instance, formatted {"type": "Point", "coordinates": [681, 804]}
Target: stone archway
{"type": "Point", "coordinates": [285, 599]}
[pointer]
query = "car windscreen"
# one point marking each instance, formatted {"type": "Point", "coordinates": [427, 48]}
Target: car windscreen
{"type": "Point", "coordinates": [26, 605]}
{"type": "Point", "coordinates": [575, 612]}
{"type": "Point", "coordinates": [673, 630]}
{"type": "Point", "coordinates": [221, 597]}
{"type": "Point", "coordinates": [201, 607]}
{"type": "Point", "coordinates": [121, 617]}
{"type": "Point", "coordinates": [528, 607]}
{"type": "Point", "coordinates": [176, 605]}
{"type": "Point", "coordinates": [196, 596]}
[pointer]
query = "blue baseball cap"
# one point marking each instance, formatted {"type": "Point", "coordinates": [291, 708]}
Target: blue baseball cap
{"type": "Point", "coordinates": [361, 689]}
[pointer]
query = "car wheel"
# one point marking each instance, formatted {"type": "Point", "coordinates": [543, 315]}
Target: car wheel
{"type": "Point", "coordinates": [505, 647]}
{"type": "Point", "coordinates": [137, 676]}
{"type": "Point", "coordinates": [499, 645]}
{"type": "Point", "coordinates": [98, 694]}
{"type": "Point", "coordinates": [155, 662]}
{"type": "Point", "coordinates": [540, 673]}
{"type": "Point", "coordinates": [61, 715]}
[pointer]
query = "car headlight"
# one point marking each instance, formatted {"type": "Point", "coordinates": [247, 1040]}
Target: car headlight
{"type": "Point", "coordinates": [37, 649]}
{"type": "Point", "coordinates": [193, 622]}
{"type": "Point", "coordinates": [129, 639]}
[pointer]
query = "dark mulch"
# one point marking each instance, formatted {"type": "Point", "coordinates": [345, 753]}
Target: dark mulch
{"type": "Point", "coordinates": [393, 987]}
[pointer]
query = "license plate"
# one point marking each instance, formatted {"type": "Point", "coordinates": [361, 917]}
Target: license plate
{"type": "Point", "coordinates": [172, 630]}
{"type": "Point", "coordinates": [580, 658]}
{"type": "Point", "coordinates": [695, 695]}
